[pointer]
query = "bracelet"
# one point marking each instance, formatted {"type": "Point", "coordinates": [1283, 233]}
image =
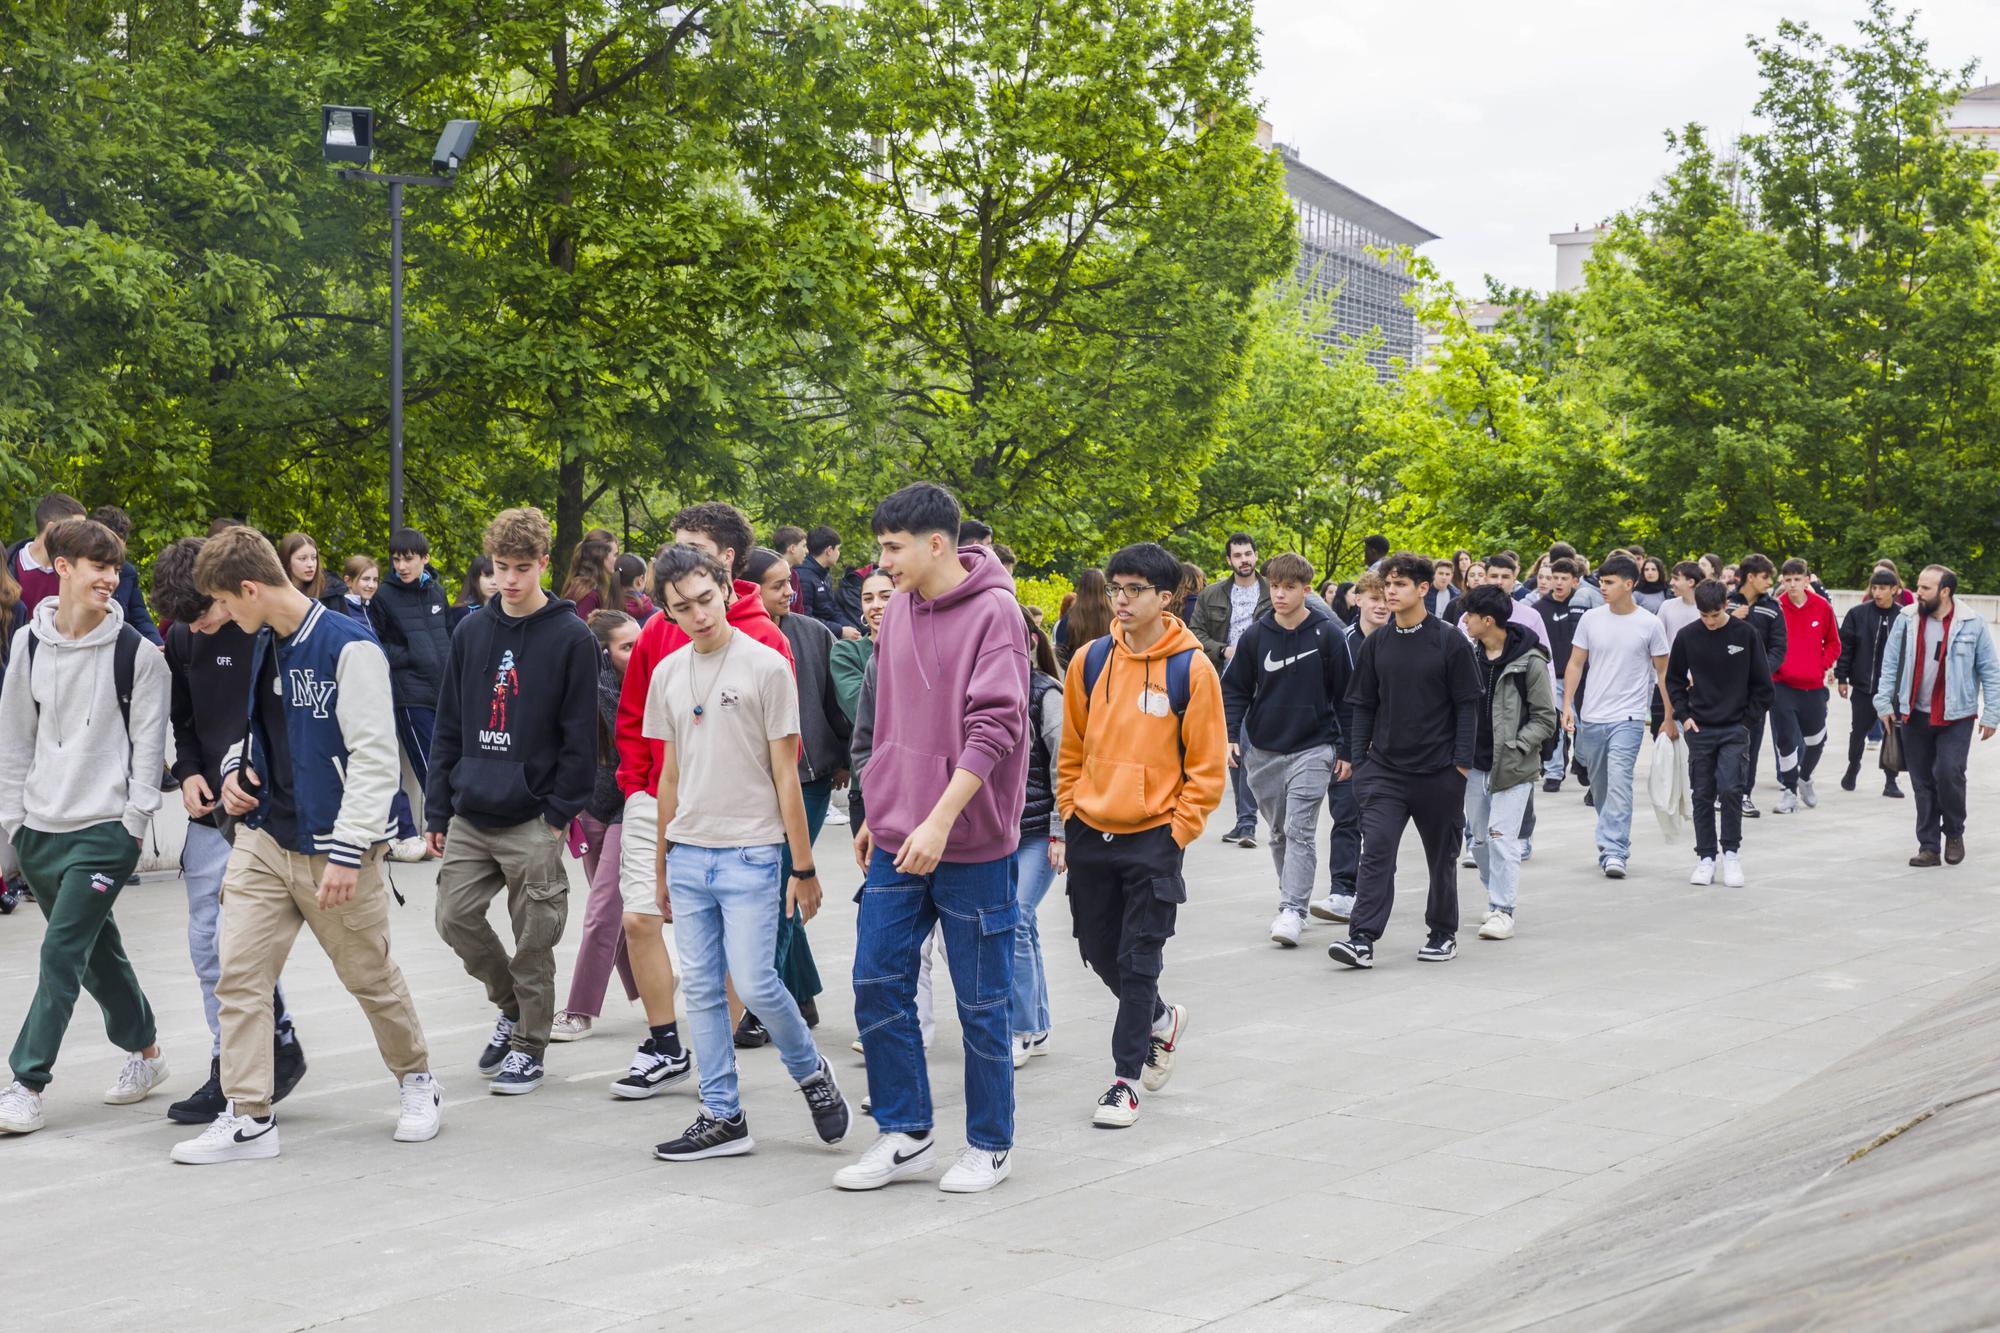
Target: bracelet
{"type": "Point", "coordinates": [807, 873]}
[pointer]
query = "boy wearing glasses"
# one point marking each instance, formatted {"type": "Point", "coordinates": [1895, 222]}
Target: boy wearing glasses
{"type": "Point", "coordinates": [1144, 755]}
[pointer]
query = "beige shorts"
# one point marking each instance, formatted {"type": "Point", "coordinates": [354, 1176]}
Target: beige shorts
{"type": "Point", "coordinates": [639, 846]}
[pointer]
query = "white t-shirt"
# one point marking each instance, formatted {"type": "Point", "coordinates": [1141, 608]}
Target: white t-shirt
{"type": "Point", "coordinates": [1675, 616]}
{"type": "Point", "coordinates": [726, 793]}
{"type": "Point", "coordinates": [1242, 609]}
{"type": "Point", "coordinates": [1621, 684]}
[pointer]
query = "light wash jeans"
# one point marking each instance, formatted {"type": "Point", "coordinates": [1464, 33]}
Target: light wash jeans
{"type": "Point", "coordinates": [1029, 1007]}
{"type": "Point", "coordinates": [1610, 750]}
{"type": "Point", "coordinates": [1493, 831]}
{"type": "Point", "coordinates": [726, 908]}
{"type": "Point", "coordinates": [204, 856]}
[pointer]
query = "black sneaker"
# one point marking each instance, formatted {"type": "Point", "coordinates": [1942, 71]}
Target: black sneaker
{"type": "Point", "coordinates": [1589, 799]}
{"type": "Point", "coordinates": [1850, 778]}
{"type": "Point", "coordinates": [1890, 788]}
{"type": "Point", "coordinates": [205, 1104]}
{"type": "Point", "coordinates": [1552, 784]}
{"type": "Point", "coordinates": [653, 1070]}
{"type": "Point", "coordinates": [708, 1137]}
{"type": "Point", "coordinates": [1352, 953]}
{"type": "Point", "coordinates": [750, 1034]}
{"type": "Point", "coordinates": [519, 1073]}
{"type": "Point", "coordinates": [1750, 810]}
{"type": "Point", "coordinates": [1247, 839]}
{"type": "Point", "coordinates": [10, 897]}
{"type": "Point", "coordinates": [497, 1047]}
{"type": "Point", "coordinates": [828, 1107]}
{"type": "Point", "coordinates": [288, 1066]}
{"type": "Point", "coordinates": [1239, 835]}
{"type": "Point", "coordinates": [1438, 949]}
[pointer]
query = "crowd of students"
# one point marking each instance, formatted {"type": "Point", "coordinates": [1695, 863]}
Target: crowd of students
{"type": "Point", "coordinates": [686, 739]}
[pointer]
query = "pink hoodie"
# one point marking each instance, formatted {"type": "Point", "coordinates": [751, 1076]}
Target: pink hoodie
{"type": "Point", "coordinates": [951, 692]}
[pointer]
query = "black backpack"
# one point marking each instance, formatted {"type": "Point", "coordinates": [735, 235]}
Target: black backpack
{"type": "Point", "coordinates": [124, 665]}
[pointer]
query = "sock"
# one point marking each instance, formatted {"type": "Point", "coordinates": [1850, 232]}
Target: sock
{"type": "Point", "coordinates": [666, 1040]}
{"type": "Point", "coordinates": [1131, 1083]}
{"type": "Point", "coordinates": [1163, 1022]}
{"type": "Point", "coordinates": [920, 1135]}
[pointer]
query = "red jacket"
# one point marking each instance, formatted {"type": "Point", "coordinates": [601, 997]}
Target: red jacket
{"type": "Point", "coordinates": [639, 759]}
{"type": "Point", "coordinates": [1812, 642]}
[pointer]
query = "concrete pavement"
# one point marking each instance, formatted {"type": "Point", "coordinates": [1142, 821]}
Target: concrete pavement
{"type": "Point", "coordinates": [1335, 1149]}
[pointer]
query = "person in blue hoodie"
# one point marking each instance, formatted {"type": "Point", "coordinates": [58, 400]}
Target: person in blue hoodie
{"type": "Point", "coordinates": [514, 760]}
{"type": "Point", "coordinates": [1281, 694]}
{"type": "Point", "coordinates": [413, 621]}
{"type": "Point", "coordinates": [130, 598]}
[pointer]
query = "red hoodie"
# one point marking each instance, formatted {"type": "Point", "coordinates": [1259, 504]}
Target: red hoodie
{"type": "Point", "coordinates": [639, 759]}
{"type": "Point", "coordinates": [1812, 642]}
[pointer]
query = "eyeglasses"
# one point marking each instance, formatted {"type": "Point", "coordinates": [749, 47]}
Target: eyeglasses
{"type": "Point", "coordinates": [1130, 591]}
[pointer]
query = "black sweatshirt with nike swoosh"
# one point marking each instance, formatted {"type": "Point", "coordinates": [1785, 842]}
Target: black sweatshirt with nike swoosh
{"type": "Point", "coordinates": [1282, 689]}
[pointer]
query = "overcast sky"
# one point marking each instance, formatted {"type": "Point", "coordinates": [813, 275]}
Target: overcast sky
{"type": "Point", "coordinates": [1496, 124]}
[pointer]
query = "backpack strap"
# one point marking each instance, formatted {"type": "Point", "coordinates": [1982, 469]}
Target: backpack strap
{"type": "Point", "coordinates": [1094, 658]}
{"type": "Point", "coordinates": [124, 666]}
{"type": "Point", "coordinates": [1178, 667]}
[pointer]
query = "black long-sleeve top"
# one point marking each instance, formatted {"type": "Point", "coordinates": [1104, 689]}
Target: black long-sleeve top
{"type": "Point", "coordinates": [1718, 677]}
{"type": "Point", "coordinates": [1415, 698]}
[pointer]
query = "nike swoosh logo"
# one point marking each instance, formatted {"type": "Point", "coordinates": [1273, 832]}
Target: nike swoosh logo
{"type": "Point", "coordinates": [1273, 664]}
{"type": "Point", "coordinates": [999, 1159]}
{"type": "Point", "coordinates": [911, 1157]}
{"type": "Point", "coordinates": [241, 1137]}
{"type": "Point", "coordinates": [1735, 648]}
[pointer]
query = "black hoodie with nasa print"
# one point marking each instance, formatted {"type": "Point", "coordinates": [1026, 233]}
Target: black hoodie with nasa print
{"type": "Point", "coordinates": [1282, 690]}
{"type": "Point", "coordinates": [516, 721]}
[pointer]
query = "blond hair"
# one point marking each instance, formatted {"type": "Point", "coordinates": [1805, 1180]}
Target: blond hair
{"type": "Point", "coordinates": [236, 556]}
{"type": "Point", "coordinates": [519, 534]}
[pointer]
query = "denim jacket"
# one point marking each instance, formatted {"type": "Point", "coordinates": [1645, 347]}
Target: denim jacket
{"type": "Point", "coordinates": [1972, 667]}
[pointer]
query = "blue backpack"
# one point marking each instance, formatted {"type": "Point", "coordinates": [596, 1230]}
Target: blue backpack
{"type": "Point", "coordinates": [1099, 653]}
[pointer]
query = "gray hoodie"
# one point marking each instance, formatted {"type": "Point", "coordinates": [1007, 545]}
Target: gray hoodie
{"type": "Point", "coordinates": [70, 765]}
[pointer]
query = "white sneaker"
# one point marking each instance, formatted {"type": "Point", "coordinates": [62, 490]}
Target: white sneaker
{"type": "Point", "coordinates": [1028, 1045]}
{"type": "Point", "coordinates": [1807, 796]}
{"type": "Point", "coordinates": [857, 1046]}
{"type": "Point", "coordinates": [1732, 870]}
{"type": "Point", "coordinates": [1334, 907]}
{"type": "Point", "coordinates": [1466, 861]}
{"type": "Point", "coordinates": [408, 849]}
{"type": "Point", "coordinates": [20, 1109]}
{"type": "Point", "coordinates": [976, 1171]}
{"type": "Point", "coordinates": [1704, 872]}
{"type": "Point", "coordinates": [423, 1109]}
{"type": "Point", "coordinates": [1788, 801]}
{"type": "Point", "coordinates": [1286, 927]}
{"type": "Point", "coordinates": [230, 1138]}
{"type": "Point", "coordinates": [835, 814]}
{"type": "Point", "coordinates": [1614, 867]}
{"type": "Point", "coordinates": [1499, 926]}
{"type": "Point", "coordinates": [890, 1157]}
{"type": "Point", "coordinates": [570, 1027]}
{"type": "Point", "coordinates": [1118, 1108]}
{"type": "Point", "coordinates": [138, 1078]}
{"type": "Point", "coordinates": [1165, 1050]}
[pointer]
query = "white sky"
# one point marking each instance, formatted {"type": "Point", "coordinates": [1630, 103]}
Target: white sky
{"type": "Point", "coordinates": [1496, 124]}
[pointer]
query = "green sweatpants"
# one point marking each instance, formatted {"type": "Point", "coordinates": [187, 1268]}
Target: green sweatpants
{"type": "Point", "coordinates": [77, 878]}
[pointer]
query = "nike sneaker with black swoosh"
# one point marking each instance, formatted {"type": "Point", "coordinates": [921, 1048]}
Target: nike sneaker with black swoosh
{"type": "Point", "coordinates": [891, 1157]}
{"type": "Point", "coordinates": [977, 1171]}
{"type": "Point", "coordinates": [230, 1138]}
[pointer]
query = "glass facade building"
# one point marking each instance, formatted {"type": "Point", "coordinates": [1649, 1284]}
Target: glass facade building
{"type": "Point", "coordinates": [1346, 242]}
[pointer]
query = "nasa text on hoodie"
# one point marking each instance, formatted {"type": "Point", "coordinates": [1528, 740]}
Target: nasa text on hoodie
{"type": "Point", "coordinates": [517, 720]}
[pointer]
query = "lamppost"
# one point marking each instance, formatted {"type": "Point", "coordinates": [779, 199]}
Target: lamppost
{"type": "Point", "coordinates": [347, 134]}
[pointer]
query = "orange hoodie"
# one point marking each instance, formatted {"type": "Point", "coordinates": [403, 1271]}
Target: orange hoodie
{"type": "Point", "coordinates": [1125, 769]}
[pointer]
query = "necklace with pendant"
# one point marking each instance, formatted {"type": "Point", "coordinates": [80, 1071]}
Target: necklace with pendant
{"type": "Point", "coordinates": [700, 697]}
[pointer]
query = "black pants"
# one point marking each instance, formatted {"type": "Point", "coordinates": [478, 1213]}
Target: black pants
{"type": "Point", "coordinates": [1862, 704]}
{"type": "Point", "coordinates": [1798, 732]}
{"type": "Point", "coordinates": [1716, 767]}
{"type": "Point", "coordinates": [1246, 804]}
{"type": "Point", "coordinates": [1343, 845]}
{"type": "Point", "coordinates": [1935, 758]}
{"type": "Point", "coordinates": [1754, 722]}
{"type": "Point", "coordinates": [1125, 890]}
{"type": "Point", "coordinates": [1435, 802]}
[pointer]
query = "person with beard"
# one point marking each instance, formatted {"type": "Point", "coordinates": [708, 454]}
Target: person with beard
{"type": "Point", "coordinates": [1864, 637]}
{"type": "Point", "coordinates": [1222, 613]}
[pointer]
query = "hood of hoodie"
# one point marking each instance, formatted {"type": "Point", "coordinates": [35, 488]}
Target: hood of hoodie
{"type": "Point", "coordinates": [1177, 638]}
{"type": "Point", "coordinates": [1521, 642]}
{"type": "Point", "coordinates": [73, 677]}
{"type": "Point", "coordinates": [44, 623]}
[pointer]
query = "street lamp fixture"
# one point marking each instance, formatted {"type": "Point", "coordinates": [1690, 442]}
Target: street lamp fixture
{"type": "Point", "coordinates": [347, 134]}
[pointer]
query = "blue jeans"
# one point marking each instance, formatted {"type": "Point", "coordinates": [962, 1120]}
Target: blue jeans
{"type": "Point", "coordinates": [1610, 750]}
{"type": "Point", "coordinates": [413, 731]}
{"type": "Point", "coordinates": [1246, 801]}
{"type": "Point", "coordinates": [1493, 832]}
{"type": "Point", "coordinates": [1029, 1007]}
{"type": "Point", "coordinates": [726, 908]}
{"type": "Point", "coordinates": [204, 856]}
{"type": "Point", "coordinates": [974, 901]}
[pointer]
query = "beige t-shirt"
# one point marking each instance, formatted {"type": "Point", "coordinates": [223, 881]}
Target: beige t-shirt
{"type": "Point", "coordinates": [727, 797]}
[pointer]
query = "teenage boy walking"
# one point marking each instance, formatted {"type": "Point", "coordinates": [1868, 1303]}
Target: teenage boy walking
{"type": "Point", "coordinates": [1799, 693]}
{"type": "Point", "coordinates": [83, 736]}
{"type": "Point", "coordinates": [727, 716]}
{"type": "Point", "coordinates": [1517, 715]}
{"type": "Point", "coordinates": [413, 619]}
{"type": "Point", "coordinates": [1625, 650]}
{"type": "Point", "coordinates": [1754, 603]}
{"type": "Point", "coordinates": [1415, 700]}
{"type": "Point", "coordinates": [1222, 613]}
{"type": "Point", "coordinates": [513, 760]}
{"type": "Point", "coordinates": [312, 783]}
{"type": "Point", "coordinates": [1145, 743]}
{"type": "Point", "coordinates": [1718, 678]}
{"type": "Point", "coordinates": [1864, 640]}
{"type": "Point", "coordinates": [947, 780]}
{"type": "Point", "coordinates": [208, 660]}
{"type": "Point", "coordinates": [1343, 845]}
{"type": "Point", "coordinates": [1280, 698]}
{"type": "Point", "coordinates": [1560, 613]}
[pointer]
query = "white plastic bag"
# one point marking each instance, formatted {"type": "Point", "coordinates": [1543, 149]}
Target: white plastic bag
{"type": "Point", "coordinates": [1667, 784]}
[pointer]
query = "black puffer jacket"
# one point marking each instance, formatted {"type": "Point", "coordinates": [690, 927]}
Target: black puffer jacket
{"type": "Point", "coordinates": [413, 621]}
{"type": "Point", "coordinates": [607, 801]}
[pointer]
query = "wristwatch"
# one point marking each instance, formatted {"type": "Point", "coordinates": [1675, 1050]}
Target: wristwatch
{"type": "Point", "coordinates": [807, 873]}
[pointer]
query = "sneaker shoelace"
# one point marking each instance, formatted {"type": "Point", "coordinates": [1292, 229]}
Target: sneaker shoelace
{"type": "Point", "coordinates": [133, 1076]}
{"type": "Point", "coordinates": [517, 1062]}
{"type": "Point", "coordinates": [1115, 1095]}
{"type": "Point", "coordinates": [503, 1031]}
{"type": "Point", "coordinates": [17, 1098]}
{"type": "Point", "coordinates": [706, 1128]}
{"type": "Point", "coordinates": [820, 1093]}
{"type": "Point", "coordinates": [418, 1098]}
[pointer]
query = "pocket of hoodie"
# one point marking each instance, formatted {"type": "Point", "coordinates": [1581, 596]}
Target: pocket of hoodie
{"type": "Point", "coordinates": [903, 802]}
{"type": "Point", "coordinates": [1113, 786]}
{"type": "Point", "coordinates": [499, 786]}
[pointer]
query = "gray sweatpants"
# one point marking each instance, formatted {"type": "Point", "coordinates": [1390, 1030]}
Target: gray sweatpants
{"type": "Point", "coordinates": [1290, 789]}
